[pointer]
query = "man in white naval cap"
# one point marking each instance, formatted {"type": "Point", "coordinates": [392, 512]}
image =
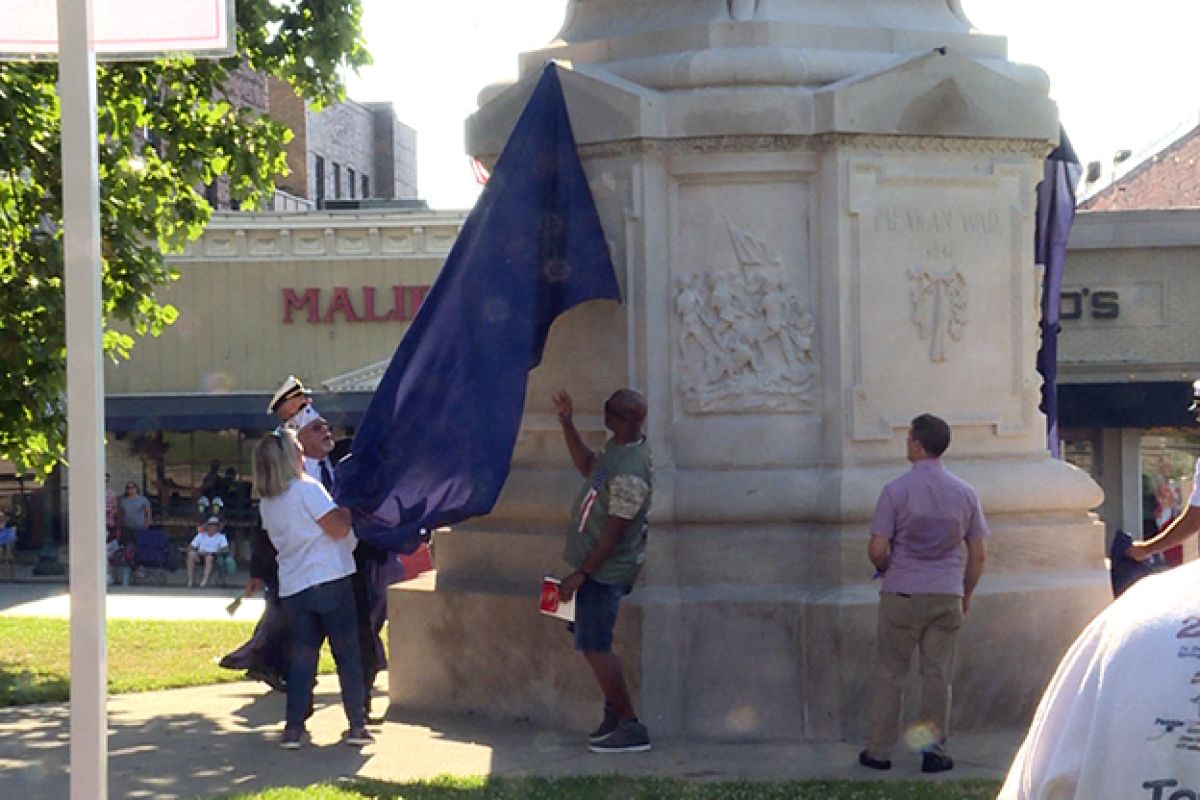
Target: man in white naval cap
{"type": "Point", "coordinates": [289, 398]}
{"type": "Point", "coordinates": [265, 656]}
{"type": "Point", "coordinates": [292, 402]}
{"type": "Point", "coordinates": [1186, 524]}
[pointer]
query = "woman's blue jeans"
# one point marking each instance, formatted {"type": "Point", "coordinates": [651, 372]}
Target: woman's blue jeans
{"type": "Point", "coordinates": [326, 609]}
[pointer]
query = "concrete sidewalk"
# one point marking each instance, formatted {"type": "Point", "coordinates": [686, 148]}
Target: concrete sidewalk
{"type": "Point", "coordinates": [209, 741]}
{"type": "Point", "coordinates": [53, 599]}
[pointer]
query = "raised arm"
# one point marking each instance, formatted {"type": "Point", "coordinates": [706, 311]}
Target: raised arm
{"type": "Point", "coordinates": [581, 455]}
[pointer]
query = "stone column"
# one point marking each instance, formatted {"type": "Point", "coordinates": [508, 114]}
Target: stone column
{"type": "Point", "coordinates": [822, 216]}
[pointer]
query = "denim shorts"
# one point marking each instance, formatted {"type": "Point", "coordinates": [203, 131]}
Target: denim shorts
{"type": "Point", "coordinates": [596, 606]}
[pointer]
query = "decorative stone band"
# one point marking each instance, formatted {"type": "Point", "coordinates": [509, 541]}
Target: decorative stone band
{"type": "Point", "coordinates": [322, 236]}
{"type": "Point", "coordinates": [810, 144]}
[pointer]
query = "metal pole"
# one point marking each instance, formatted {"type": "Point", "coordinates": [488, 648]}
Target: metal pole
{"type": "Point", "coordinates": [85, 400]}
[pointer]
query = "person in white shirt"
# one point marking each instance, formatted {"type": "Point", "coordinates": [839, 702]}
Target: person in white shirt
{"type": "Point", "coordinates": [1121, 717]}
{"type": "Point", "coordinates": [315, 553]}
{"type": "Point", "coordinates": [209, 543]}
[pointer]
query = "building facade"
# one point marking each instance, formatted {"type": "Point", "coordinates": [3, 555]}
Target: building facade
{"type": "Point", "coordinates": [324, 295]}
{"type": "Point", "coordinates": [1128, 353]}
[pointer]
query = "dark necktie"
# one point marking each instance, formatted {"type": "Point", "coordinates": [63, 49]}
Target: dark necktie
{"type": "Point", "coordinates": [326, 475]}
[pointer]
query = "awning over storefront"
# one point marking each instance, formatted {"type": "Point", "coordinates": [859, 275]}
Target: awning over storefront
{"type": "Point", "coordinates": [214, 412]}
{"type": "Point", "coordinates": [1125, 405]}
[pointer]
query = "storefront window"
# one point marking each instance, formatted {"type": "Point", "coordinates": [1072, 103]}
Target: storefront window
{"type": "Point", "coordinates": [188, 458]}
{"type": "Point", "coordinates": [1168, 468]}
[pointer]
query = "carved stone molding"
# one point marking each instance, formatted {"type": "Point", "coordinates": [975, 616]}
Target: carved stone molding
{"type": "Point", "coordinates": [744, 337]}
{"type": "Point", "coordinates": [326, 236]}
{"type": "Point", "coordinates": [935, 144]}
{"type": "Point", "coordinates": [704, 145]}
{"type": "Point", "coordinates": [698, 145]}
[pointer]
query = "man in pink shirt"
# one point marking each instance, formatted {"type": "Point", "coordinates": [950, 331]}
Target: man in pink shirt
{"type": "Point", "coordinates": [921, 523]}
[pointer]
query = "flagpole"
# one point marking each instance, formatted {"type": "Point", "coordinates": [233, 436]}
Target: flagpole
{"type": "Point", "coordinates": [85, 399]}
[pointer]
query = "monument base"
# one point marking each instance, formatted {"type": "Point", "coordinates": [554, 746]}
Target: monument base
{"type": "Point", "coordinates": [732, 660]}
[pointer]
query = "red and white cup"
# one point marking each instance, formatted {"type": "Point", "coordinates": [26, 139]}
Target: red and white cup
{"type": "Point", "coordinates": [549, 601]}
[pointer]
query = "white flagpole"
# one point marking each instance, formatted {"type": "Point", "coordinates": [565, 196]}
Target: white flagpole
{"type": "Point", "coordinates": [85, 400]}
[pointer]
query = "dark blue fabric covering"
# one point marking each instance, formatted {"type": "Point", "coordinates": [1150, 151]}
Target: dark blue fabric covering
{"type": "Point", "coordinates": [1125, 571]}
{"type": "Point", "coordinates": [435, 443]}
{"type": "Point", "coordinates": [1055, 215]}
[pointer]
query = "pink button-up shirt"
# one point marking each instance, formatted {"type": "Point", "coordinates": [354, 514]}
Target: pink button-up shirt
{"type": "Point", "coordinates": [928, 514]}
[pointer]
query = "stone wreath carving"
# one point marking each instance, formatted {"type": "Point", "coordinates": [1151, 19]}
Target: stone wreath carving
{"type": "Point", "coordinates": [744, 336]}
{"type": "Point", "coordinates": [939, 308]}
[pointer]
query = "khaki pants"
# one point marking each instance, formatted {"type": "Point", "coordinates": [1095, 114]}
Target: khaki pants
{"type": "Point", "coordinates": [929, 622]}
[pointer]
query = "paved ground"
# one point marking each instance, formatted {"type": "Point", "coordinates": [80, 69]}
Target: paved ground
{"type": "Point", "coordinates": [134, 602]}
{"type": "Point", "coordinates": [209, 741]}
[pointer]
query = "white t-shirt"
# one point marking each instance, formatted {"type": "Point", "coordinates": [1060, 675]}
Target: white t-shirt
{"type": "Point", "coordinates": [307, 555]}
{"type": "Point", "coordinates": [205, 544]}
{"type": "Point", "coordinates": [1121, 717]}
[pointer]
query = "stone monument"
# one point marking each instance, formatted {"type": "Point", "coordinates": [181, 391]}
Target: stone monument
{"type": "Point", "coordinates": [822, 216]}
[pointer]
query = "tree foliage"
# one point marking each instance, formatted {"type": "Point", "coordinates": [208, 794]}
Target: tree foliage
{"type": "Point", "coordinates": [151, 192]}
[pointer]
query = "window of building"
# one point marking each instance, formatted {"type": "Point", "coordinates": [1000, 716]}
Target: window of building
{"type": "Point", "coordinates": [337, 180]}
{"type": "Point", "coordinates": [350, 180]}
{"type": "Point", "coordinates": [320, 178]}
{"type": "Point", "coordinates": [1168, 457]}
{"type": "Point", "coordinates": [366, 186]}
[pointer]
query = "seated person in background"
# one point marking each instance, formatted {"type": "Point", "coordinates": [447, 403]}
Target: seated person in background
{"type": "Point", "coordinates": [210, 544]}
{"type": "Point", "coordinates": [8, 539]}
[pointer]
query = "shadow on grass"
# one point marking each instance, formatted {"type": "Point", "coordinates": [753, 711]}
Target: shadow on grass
{"type": "Point", "coordinates": [20, 685]}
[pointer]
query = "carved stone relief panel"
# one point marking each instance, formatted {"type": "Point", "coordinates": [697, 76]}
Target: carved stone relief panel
{"type": "Point", "coordinates": [940, 280]}
{"type": "Point", "coordinates": [939, 307]}
{"type": "Point", "coordinates": [742, 314]}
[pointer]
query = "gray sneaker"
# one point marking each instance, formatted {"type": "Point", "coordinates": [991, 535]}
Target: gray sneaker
{"type": "Point", "coordinates": [292, 738]}
{"type": "Point", "coordinates": [607, 726]}
{"type": "Point", "coordinates": [630, 736]}
{"type": "Point", "coordinates": [358, 737]}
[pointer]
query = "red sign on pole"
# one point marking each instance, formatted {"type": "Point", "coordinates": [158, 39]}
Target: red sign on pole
{"type": "Point", "coordinates": [125, 29]}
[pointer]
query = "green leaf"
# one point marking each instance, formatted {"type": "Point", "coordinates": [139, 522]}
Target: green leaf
{"type": "Point", "coordinates": [150, 199]}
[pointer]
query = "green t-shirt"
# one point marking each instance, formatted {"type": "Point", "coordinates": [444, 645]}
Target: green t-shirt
{"type": "Point", "coordinates": [621, 484]}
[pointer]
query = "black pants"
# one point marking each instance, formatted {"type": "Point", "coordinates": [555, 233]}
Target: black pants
{"type": "Point", "coordinates": [268, 648]}
{"type": "Point", "coordinates": [367, 597]}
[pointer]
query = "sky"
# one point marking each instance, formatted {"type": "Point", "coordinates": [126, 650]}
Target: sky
{"type": "Point", "coordinates": [1123, 74]}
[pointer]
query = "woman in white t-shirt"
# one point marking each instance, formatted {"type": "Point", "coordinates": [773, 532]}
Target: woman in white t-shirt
{"type": "Point", "coordinates": [316, 560]}
{"type": "Point", "coordinates": [210, 544]}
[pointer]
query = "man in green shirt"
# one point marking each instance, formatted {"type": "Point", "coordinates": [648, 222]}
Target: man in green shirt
{"type": "Point", "coordinates": [606, 545]}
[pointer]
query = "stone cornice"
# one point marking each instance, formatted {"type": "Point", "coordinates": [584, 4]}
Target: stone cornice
{"type": "Point", "coordinates": [814, 144]}
{"type": "Point", "coordinates": [326, 236]}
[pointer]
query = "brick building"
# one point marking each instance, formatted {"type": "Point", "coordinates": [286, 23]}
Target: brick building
{"type": "Point", "coordinates": [1167, 178]}
{"type": "Point", "coordinates": [349, 151]}
{"type": "Point", "coordinates": [340, 156]}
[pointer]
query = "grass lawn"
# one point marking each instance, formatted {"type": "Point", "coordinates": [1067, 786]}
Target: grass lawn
{"type": "Point", "coordinates": [620, 788]}
{"type": "Point", "coordinates": [142, 655]}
